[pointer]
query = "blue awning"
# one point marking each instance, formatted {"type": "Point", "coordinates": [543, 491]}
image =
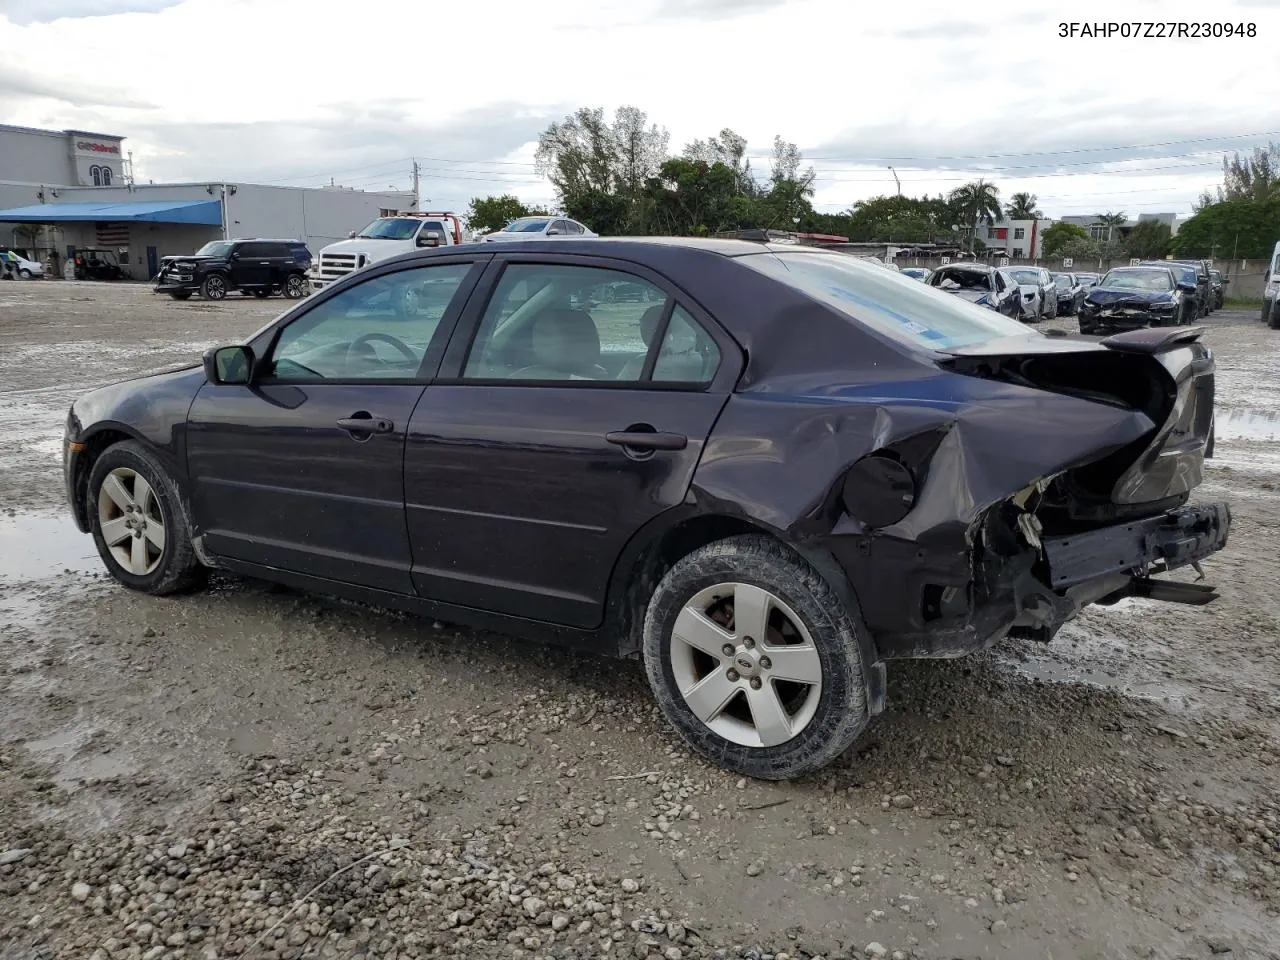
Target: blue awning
{"type": "Point", "coordinates": [203, 212]}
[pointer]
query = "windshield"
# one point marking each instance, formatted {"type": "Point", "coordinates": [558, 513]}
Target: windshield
{"type": "Point", "coordinates": [397, 228]}
{"type": "Point", "coordinates": [1026, 276]}
{"type": "Point", "coordinates": [1138, 279]}
{"type": "Point", "coordinates": [961, 279]}
{"type": "Point", "coordinates": [1062, 281]}
{"type": "Point", "coordinates": [1217, 275]}
{"type": "Point", "coordinates": [528, 225]}
{"type": "Point", "coordinates": [889, 303]}
{"type": "Point", "coordinates": [214, 248]}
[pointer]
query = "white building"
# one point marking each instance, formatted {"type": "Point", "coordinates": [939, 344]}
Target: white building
{"type": "Point", "coordinates": [1101, 232]}
{"type": "Point", "coordinates": [1017, 239]}
{"type": "Point", "coordinates": [63, 191]}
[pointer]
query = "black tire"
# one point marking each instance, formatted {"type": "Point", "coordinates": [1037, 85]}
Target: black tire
{"type": "Point", "coordinates": [1273, 321]}
{"type": "Point", "coordinates": [25, 274]}
{"type": "Point", "coordinates": [295, 286]}
{"type": "Point", "coordinates": [841, 713]}
{"type": "Point", "coordinates": [262, 292]}
{"type": "Point", "coordinates": [180, 294]}
{"type": "Point", "coordinates": [214, 287]}
{"type": "Point", "coordinates": [178, 568]}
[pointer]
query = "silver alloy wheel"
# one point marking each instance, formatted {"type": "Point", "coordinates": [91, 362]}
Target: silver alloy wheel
{"type": "Point", "coordinates": [293, 287]}
{"type": "Point", "coordinates": [746, 665]}
{"type": "Point", "coordinates": [216, 287]}
{"type": "Point", "coordinates": [131, 521]}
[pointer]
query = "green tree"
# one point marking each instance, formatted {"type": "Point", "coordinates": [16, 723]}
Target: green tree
{"type": "Point", "coordinates": [1079, 248]}
{"type": "Point", "coordinates": [587, 158]}
{"type": "Point", "coordinates": [730, 149]}
{"type": "Point", "coordinates": [1057, 236]}
{"type": "Point", "coordinates": [1243, 228]}
{"type": "Point", "coordinates": [1253, 177]}
{"type": "Point", "coordinates": [976, 203]}
{"type": "Point", "coordinates": [1111, 221]}
{"type": "Point", "coordinates": [1149, 240]}
{"type": "Point", "coordinates": [1022, 206]}
{"type": "Point", "coordinates": [494, 213]}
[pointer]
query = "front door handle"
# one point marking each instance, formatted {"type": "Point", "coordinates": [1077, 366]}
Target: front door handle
{"type": "Point", "coordinates": [647, 440]}
{"type": "Point", "coordinates": [365, 423]}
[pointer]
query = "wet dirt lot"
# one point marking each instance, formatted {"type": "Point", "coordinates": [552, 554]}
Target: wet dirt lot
{"type": "Point", "coordinates": [248, 771]}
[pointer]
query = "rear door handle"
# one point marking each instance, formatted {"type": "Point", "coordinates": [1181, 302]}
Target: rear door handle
{"type": "Point", "coordinates": [647, 440]}
{"type": "Point", "coordinates": [366, 424]}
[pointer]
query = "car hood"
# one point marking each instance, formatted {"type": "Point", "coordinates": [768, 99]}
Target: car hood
{"type": "Point", "coordinates": [136, 402]}
{"type": "Point", "coordinates": [367, 245]}
{"type": "Point", "coordinates": [189, 257]}
{"type": "Point", "coordinates": [1102, 296]}
{"type": "Point", "coordinates": [1029, 288]}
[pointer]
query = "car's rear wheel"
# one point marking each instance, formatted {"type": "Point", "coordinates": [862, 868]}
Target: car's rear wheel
{"type": "Point", "coordinates": [295, 286]}
{"type": "Point", "coordinates": [754, 659]}
{"type": "Point", "coordinates": [138, 523]}
{"type": "Point", "coordinates": [180, 294]}
{"type": "Point", "coordinates": [1273, 321]}
{"type": "Point", "coordinates": [214, 287]}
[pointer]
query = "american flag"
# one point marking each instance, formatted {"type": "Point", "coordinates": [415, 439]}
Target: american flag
{"type": "Point", "coordinates": [113, 234]}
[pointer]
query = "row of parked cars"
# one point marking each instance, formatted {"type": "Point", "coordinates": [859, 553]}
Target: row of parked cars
{"type": "Point", "coordinates": [1151, 293]}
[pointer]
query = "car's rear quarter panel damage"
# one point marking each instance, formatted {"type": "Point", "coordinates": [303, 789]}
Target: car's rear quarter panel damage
{"type": "Point", "coordinates": [957, 572]}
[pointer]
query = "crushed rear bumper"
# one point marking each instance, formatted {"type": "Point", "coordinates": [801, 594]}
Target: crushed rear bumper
{"type": "Point", "coordinates": [1175, 539]}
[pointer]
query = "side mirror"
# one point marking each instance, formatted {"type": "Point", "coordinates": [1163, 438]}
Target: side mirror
{"type": "Point", "coordinates": [429, 238]}
{"type": "Point", "coordinates": [235, 256]}
{"type": "Point", "coordinates": [553, 232]}
{"type": "Point", "coordinates": [351, 234]}
{"type": "Point", "coordinates": [1189, 287]}
{"type": "Point", "coordinates": [228, 365]}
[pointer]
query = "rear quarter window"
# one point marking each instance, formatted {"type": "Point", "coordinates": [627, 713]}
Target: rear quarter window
{"type": "Point", "coordinates": [886, 301]}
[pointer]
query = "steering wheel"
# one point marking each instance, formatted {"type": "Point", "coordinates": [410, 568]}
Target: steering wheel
{"type": "Point", "coordinates": [400, 345]}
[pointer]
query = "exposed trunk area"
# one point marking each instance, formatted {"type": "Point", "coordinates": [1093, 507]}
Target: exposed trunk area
{"type": "Point", "coordinates": [1165, 375]}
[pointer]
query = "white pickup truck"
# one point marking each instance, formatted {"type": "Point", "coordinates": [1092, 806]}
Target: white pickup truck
{"type": "Point", "coordinates": [383, 238]}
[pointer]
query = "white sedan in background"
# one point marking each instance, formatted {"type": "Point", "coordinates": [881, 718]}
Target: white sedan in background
{"type": "Point", "coordinates": [540, 228]}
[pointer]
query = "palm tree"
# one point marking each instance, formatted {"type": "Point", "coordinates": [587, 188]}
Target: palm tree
{"type": "Point", "coordinates": [1110, 221]}
{"type": "Point", "coordinates": [1022, 206]}
{"type": "Point", "coordinates": [976, 203]}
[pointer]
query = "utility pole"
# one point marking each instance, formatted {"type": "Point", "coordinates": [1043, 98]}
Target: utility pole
{"type": "Point", "coordinates": [416, 202]}
{"type": "Point", "coordinates": [896, 180]}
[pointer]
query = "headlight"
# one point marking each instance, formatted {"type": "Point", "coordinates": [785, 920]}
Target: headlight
{"type": "Point", "coordinates": [1164, 305]}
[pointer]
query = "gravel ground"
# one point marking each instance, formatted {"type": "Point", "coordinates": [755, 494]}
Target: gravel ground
{"type": "Point", "coordinates": [250, 772]}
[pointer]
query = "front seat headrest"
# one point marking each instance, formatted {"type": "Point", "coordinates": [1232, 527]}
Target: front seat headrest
{"type": "Point", "coordinates": [566, 340]}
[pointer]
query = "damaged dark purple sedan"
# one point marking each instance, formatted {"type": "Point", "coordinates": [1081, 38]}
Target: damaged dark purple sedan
{"type": "Point", "coordinates": [765, 471]}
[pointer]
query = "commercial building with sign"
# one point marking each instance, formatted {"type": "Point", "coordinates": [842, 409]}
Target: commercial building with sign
{"type": "Point", "coordinates": [69, 190]}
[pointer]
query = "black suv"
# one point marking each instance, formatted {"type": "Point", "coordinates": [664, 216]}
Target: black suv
{"type": "Point", "coordinates": [259, 267]}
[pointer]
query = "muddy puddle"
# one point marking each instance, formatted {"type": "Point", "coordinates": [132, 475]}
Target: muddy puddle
{"type": "Point", "coordinates": [1086, 652]}
{"type": "Point", "coordinates": [1246, 423]}
{"type": "Point", "coordinates": [43, 547]}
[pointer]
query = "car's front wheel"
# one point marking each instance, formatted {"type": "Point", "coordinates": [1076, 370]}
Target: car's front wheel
{"type": "Point", "coordinates": [25, 274]}
{"type": "Point", "coordinates": [755, 660]}
{"type": "Point", "coordinates": [214, 287]}
{"type": "Point", "coordinates": [138, 523]}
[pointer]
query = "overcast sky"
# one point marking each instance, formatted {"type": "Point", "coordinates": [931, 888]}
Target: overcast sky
{"type": "Point", "coordinates": [299, 91]}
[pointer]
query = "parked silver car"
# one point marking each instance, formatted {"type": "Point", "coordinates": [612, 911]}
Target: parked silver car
{"type": "Point", "coordinates": [1039, 293]}
{"type": "Point", "coordinates": [540, 228]}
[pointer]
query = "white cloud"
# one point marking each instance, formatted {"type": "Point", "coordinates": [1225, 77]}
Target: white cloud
{"type": "Point", "coordinates": [300, 90]}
